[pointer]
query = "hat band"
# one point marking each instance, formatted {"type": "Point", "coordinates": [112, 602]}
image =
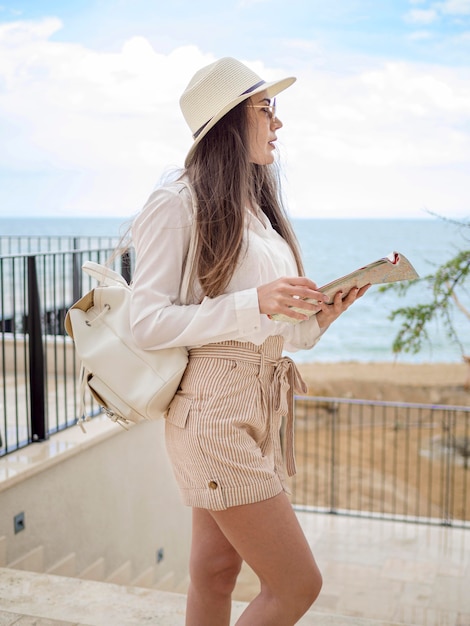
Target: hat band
{"type": "Point", "coordinates": [249, 90]}
{"type": "Point", "coordinates": [199, 130]}
{"type": "Point", "coordinates": [261, 82]}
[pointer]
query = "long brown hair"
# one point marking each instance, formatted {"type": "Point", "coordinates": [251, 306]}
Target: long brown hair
{"type": "Point", "coordinates": [225, 183]}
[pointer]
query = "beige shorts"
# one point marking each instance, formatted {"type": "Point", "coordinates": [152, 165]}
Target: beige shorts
{"type": "Point", "coordinates": [223, 428]}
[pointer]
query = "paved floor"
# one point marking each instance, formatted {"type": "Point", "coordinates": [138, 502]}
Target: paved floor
{"type": "Point", "coordinates": [391, 572]}
{"type": "Point", "coordinates": [402, 572]}
{"type": "Point", "coordinates": [28, 599]}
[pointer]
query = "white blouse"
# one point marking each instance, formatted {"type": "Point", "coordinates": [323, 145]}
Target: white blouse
{"type": "Point", "coordinates": [161, 234]}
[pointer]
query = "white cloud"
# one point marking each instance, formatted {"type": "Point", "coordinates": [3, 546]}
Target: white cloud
{"type": "Point", "coordinates": [24, 33]}
{"type": "Point", "coordinates": [438, 10]}
{"type": "Point", "coordinates": [368, 131]}
{"type": "Point", "coordinates": [398, 114]}
{"type": "Point", "coordinates": [98, 114]}
{"type": "Point", "coordinates": [454, 7]}
{"type": "Point", "coordinates": [421, 16]}
{"type": "Point", "coordinates": [243, 4]}
{"type": "Point", "coordinates": [110, 123]}
{"type": "Point", "coordinates": [420, 35]}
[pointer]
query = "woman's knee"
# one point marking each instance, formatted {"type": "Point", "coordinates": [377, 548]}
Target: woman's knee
{"type": "Point", "coordinates": [296, 594]}
{"type": "Point", "coordinates": [218, 574]}
{"type": "Point", "coordinates": [303, 593]}
{"type": "Point", "coordinates": [312, 587]}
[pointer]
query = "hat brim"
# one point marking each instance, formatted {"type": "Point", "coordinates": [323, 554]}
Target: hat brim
{"type": "Point", "coordinates": [272, 89]}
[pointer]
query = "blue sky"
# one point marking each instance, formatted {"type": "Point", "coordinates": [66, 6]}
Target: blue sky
{"type": "Point", "coordinates": [378, 123]}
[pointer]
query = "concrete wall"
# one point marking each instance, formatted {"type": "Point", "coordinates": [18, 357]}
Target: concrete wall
{"type": "Point", "coordinates": [115, 498]}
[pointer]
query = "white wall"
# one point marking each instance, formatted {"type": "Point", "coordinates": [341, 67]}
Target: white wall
{"type": "Point", "coordinates": [116, 499]}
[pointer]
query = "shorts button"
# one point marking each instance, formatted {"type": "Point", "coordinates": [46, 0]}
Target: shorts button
{"type": "Point", "coordinates": [213, 484]}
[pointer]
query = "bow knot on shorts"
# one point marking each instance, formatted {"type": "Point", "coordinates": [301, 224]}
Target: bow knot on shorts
{"type": "Point", "coordinates": [223, 428]}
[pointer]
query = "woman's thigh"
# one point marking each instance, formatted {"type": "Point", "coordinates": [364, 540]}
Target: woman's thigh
{"type": "Point", "coordinates": [268, 536]}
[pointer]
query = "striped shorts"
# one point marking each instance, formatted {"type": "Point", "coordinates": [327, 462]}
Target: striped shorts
{"type": "Point", "coordinates": [223, 427]}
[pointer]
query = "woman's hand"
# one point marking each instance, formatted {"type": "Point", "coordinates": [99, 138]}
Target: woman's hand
{"type": "Point", "coordinates": [328, 313]}
{"type": "Point", "coordinates": [284, 293]}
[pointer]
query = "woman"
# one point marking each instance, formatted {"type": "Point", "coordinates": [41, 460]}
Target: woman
{"type": "Point", "coordinates": [223, 426]}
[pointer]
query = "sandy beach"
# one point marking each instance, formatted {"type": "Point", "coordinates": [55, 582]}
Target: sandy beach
{"type": "Point", "coordinates": [435, 383]}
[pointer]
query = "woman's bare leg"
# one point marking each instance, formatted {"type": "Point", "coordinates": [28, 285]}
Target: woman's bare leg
{"type": "Point", "coordinates": [214, 567]}
{"type": "Point", "coordinates": [268, 536]}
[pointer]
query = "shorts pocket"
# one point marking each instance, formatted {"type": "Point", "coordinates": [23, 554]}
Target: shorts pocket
{"type": "Point", "coordinates": [178, 411]}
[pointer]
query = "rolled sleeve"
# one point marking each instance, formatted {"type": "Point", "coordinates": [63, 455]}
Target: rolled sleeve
{"type": "Point", "coordinates": [304, 335]}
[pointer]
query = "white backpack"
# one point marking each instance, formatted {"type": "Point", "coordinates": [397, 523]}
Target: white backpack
{"type": "Point", "coordinates": [130, 384]}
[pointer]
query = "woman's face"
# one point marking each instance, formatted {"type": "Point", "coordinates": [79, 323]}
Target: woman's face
{"type": "Point", "coordinates": [262, 127]}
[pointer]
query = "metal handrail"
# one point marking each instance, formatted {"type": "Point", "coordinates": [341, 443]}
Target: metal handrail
{"type": "Point", "coordinates": [39, 393]}
{"type": "Point", "coordinates": [392, 460]}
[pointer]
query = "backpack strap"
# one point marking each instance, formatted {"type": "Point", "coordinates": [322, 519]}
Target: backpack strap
{"type": "Point", "coordinates": [104, 275]}
{"type": "Point", "coordinates": [188, 269]}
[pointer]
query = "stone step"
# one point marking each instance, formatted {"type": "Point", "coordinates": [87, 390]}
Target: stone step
{"type": "Point", "coordinates": [94, 571]}
{"type": "Point", "coordinates": [166, 582]}
{"type": "Point", "coordinates": [65, 567]}
{"type": "Point", "coordinates": [3, 551]}
{"type": "Point", "coordinates": [121, 575]}
{"type": "Point", "coordinates": [315, 618]}
{"type": "Point", "coordinates": [145, 578]}
{"type": "Point", "coordinates": [32, 561]}
{"type": "Point", "coordinates": [182, 586]}
{"type": "Point", "coordinates": [93, 603]}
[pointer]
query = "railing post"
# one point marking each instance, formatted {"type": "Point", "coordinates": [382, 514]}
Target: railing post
{"type": "Point", "coordinates": [39, 430]}
{"type": "Point", "coordinates": [126, 266]}
{"type": "Point", "coordinates": [448, 467]}
{"type": "Point", "coordinates": [333, 464]}
{"type": "Point", "coordinates": [76, 271]}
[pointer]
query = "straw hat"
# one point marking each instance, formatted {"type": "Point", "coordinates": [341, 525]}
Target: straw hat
{"type": "Point", "coordinates": [216, 89]}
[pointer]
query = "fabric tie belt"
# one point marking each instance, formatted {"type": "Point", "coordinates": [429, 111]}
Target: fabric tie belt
{"type": "Point", "coordinates": [285, 382]}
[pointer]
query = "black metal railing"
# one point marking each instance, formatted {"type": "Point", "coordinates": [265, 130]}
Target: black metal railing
{"type": "Point", "coordinates": [32, 244]}
{"type": "Point", "coordinates": [383, 459]}
{"type": "Point", "coordinates": [39, 391]}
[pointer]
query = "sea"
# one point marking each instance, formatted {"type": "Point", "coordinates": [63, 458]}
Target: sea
{"type": "Point", "coordinates": [332, 248]}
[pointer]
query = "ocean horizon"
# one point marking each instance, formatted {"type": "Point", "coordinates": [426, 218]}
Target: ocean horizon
{"type": "Point", "coordinates": [331, 248]}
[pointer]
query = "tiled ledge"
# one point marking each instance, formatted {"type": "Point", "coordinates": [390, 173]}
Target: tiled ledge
{"type": "Point", "coordinates": [85, 603]}
{"type": "Point", "coordinates": [37, 457]}
{"type": "Point", "coordinates": [27, 598]}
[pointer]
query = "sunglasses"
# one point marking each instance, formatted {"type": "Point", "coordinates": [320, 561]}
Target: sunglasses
{"type": "Point", "coordinates": [270, 109]}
